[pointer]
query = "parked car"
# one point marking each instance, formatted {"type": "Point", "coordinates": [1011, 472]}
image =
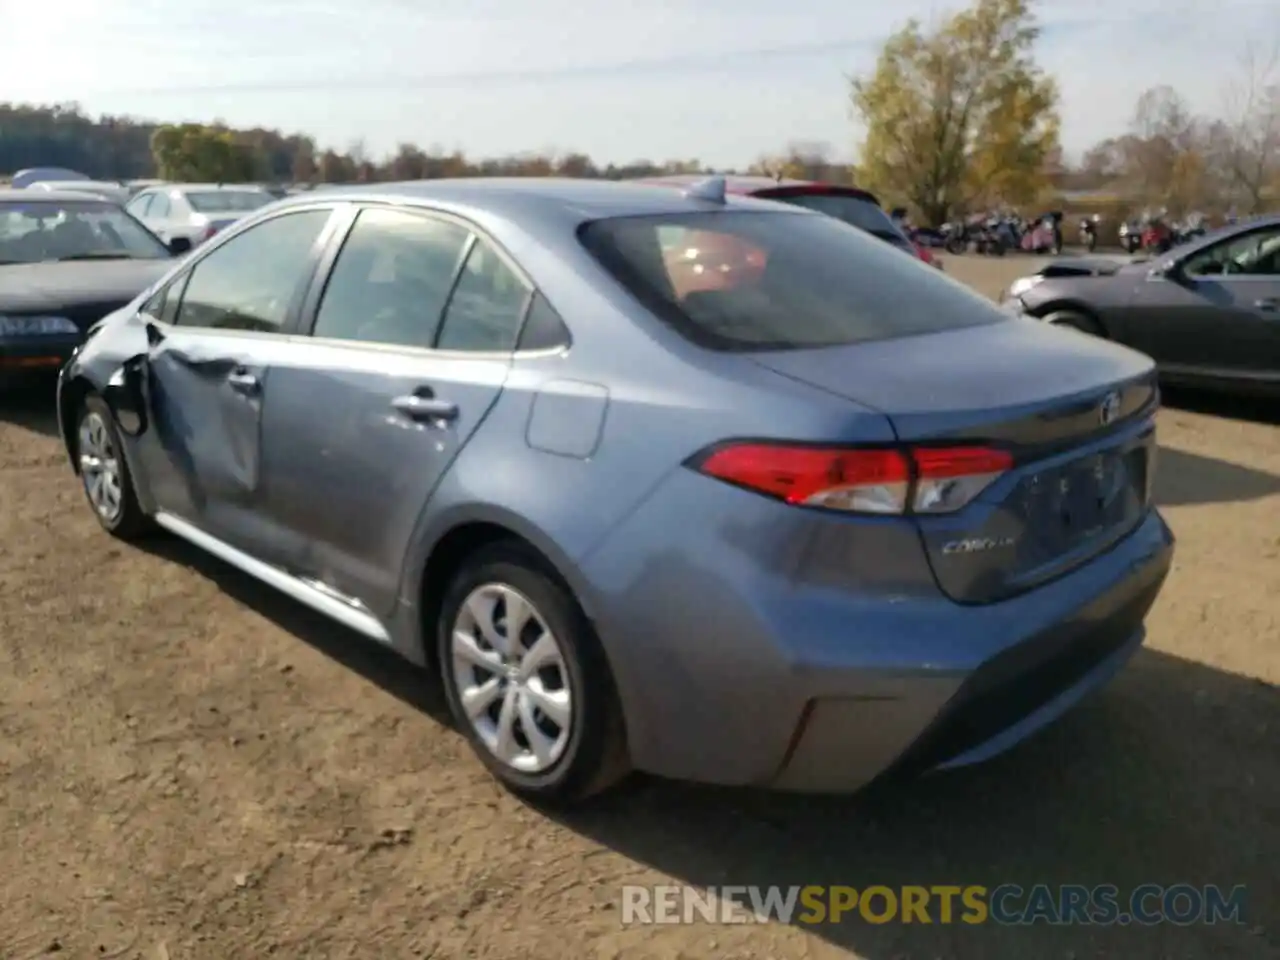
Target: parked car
{"type": "Point", "coordinates": [66, 260]}
{"type": "Point", "coordinates": [24, 178]}
{"type": "Point", "coordinates": [135, 187]}
{"type": "Point", "coordinates": [850, 204]}
{"type": "Point", "coordinates": [105, 189]}
{"type": "Point", "coordinates": [196, 211]}
{"type": "Point", "coordinates": [791, 531]}
{"type": "Point", "coordinates": [1207, 311]}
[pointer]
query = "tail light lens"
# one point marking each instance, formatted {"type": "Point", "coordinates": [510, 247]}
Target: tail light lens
{"type": "Point", "coordinates": [883, 481]}
{"type": "Point", "coordinates": [208, 232]}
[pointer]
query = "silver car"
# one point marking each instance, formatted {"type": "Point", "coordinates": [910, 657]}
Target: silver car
{"type": "Point", "coordinates": [709, 486]}
{"type": "Point", "coordinates": [196, 211]}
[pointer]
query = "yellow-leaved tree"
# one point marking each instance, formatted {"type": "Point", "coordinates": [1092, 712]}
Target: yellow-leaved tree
{"type": "Point", "coordinates": [194, 152]}
{"type": "Point", "coordinates": [959, 114]}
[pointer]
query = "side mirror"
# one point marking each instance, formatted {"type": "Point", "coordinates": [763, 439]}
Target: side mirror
{"type": "Point", "coordinates": [179, 245]}
{"type": "Point", "coordinates": [126, 395]}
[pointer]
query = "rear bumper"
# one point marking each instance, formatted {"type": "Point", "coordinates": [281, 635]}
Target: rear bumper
{"type": "Point", "coordinates": [732, 677]}
{"type": "Point", "coordinates": [1005, 700]}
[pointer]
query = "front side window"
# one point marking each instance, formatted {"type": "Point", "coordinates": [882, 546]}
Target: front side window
{"type": "Point", "coordinates": [159, 206]}
{"type": "Point", "coordinates": [1254, 254]}
{"type": "Point", "coordinates": [250, 282]}
{"type": "Point", "coordinates": [73, 230]}
{"type": "Point", "coordinates": [487, 305]}
{"type": "Point", "coordinates": [749, 280]}
{"type": "Point", "coordinates": [391, 279]}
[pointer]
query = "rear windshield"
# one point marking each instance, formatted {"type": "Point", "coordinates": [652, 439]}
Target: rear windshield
{"type": "Point", "coordinates": [749, 280]}
{"type": "Point", "coordinates": [220, 201]}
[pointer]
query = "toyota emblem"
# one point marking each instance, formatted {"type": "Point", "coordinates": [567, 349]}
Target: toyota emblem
{"type": "Point", "coordinates": [1110, 408]}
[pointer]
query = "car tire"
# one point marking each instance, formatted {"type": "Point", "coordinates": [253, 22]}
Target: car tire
{"type": "Point", "coordinates": [1074, 320]}
{"type": "Point", "coordinates": [106, 479]}
{"type": "Point", "coordinates": [583, 745]}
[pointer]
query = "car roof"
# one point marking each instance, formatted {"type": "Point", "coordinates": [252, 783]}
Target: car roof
{"type": "Point", "coordinates": [241, 187]}
{"type": "Point", "coordinates": [71, 184]}
{"type": "Point", "coordinates": [25, 195]}
{"type": "Point", "coordinates": [527, 200]}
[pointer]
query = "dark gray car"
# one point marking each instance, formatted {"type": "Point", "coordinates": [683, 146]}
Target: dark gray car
{"type": "Point", "coordinates": [1208, 312]}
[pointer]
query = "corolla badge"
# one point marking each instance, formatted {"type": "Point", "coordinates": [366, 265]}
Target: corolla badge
{"type": "Point", "coordinates": [1110, 408]}
{"type": "Point", "coordinates": [976, 545]}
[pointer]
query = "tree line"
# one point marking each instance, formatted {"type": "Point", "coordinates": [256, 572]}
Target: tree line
{"type": "Point", "coordinates": [957, 117]}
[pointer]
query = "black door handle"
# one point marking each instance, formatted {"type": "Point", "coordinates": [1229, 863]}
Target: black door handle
{"type": "Point", "coordinates": [423, 405]}
{"type": "Point", "coordinates": [1267, 303]}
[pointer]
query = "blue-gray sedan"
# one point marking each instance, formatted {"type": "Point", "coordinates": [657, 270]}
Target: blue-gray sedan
{"type": "Point", "coordinates": [707, 486]}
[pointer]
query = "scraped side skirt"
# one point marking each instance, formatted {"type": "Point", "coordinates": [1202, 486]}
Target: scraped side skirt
{"type": "Point", "coordinates": [342, 609]}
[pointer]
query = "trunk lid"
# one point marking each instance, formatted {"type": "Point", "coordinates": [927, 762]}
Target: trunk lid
{"type": "Point", "coordinates": [1075, 412]}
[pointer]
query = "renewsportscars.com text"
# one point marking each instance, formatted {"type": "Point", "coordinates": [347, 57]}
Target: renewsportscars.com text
{"type": "Point", "coordinates": [1007, 904]}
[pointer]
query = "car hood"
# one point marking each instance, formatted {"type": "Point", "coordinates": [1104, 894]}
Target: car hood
{"type": "Point", "coordinates": [26, 287]}
{"type": "Point", "coordinates": [1088, 267]}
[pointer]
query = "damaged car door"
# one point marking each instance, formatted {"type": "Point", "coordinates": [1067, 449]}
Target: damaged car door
{"type": "Point", "coordinates": [214, 333]}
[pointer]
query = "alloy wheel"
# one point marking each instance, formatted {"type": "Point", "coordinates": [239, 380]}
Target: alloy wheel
{"type": "Point", "coordinates": [100, 467]}
{"type": "Point", "coordinates": [511, 678]}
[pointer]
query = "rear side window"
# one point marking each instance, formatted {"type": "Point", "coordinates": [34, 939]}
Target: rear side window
{"type": "Point", "coordinates": [746, 280]}
{"type": "Point", "coordinates": [486, 307]}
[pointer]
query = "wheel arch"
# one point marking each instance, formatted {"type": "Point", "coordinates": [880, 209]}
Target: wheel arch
{"type": "Point", "coordinates": [1056, 307]}
{"type": "Point", "coordinates": [71, 395]}
{"type": "Point", "coordinates": [459, 535]}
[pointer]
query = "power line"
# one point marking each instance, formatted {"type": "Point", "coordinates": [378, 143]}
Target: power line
{"type": "Point", "coordinates": [680, 63]}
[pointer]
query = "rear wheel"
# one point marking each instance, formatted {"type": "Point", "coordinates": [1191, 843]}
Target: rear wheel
{"type": "Point", "coordinates": [104, 472]}
{"type": "Point", "coordinates": [526, 679]}
{"type": "Point", "coordinates": [1076, 321]}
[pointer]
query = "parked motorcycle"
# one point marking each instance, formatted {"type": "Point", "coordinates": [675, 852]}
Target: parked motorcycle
{"type": "Point", "coordinates": [1131, 236]}
{"type": "Point", "coordinates": [1157, 237]}
{"type": "Point", "coordinates": [1089, 232]}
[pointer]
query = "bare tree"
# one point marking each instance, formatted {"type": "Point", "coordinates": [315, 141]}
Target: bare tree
{"type": "Point", "coordinates": [1164, 154]}
{"type": "Point", "coordinates": [1249, 133]}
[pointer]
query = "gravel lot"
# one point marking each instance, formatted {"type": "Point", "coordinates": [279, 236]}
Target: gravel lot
{"type": "Point", "coordinates": [194, 767]}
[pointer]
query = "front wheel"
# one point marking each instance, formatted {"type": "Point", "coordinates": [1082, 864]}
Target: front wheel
{"type": "Point", "coordinates": [104, 472]}
{"type": "Point", "coordinates": [526, 679]}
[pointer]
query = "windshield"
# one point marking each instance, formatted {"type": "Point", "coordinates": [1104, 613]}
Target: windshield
{"type": "Point", "coordinates": [850, 208]}
{"type": "Point", "coordinates": [73, 230]}
{"type": "Point", "coordinates": [746, 280]}
{"type": "Point", "coordinates": [222, 201]}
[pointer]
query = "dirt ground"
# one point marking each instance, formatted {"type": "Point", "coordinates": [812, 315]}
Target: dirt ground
{"type": "Point", "coordinates": [194, 767]}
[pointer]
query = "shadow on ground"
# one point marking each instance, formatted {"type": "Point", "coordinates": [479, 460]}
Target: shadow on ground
{"type": "Point", "coordinates": [1184, 479]}
{"type": "Point", "coordinates": [1169, 776]}
{"type": "Point", "coordinates": [32, 409]}
{"type": "Point", "coordinates": [386, 669]}
{"type": "Point", "coordinates": [1220, 404]}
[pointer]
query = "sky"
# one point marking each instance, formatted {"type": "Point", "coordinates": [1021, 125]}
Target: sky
{"type": "Point", "coordinates": [722, 81]}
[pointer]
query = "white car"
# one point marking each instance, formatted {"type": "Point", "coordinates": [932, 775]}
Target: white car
{"type": "Point", "coordinates": [195, 211]}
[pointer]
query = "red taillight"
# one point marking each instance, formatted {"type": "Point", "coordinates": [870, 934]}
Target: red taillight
{"type": "Point", "coordinates": [871, 480]}
{"type": "Point", "coordinates": [208, 233]}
